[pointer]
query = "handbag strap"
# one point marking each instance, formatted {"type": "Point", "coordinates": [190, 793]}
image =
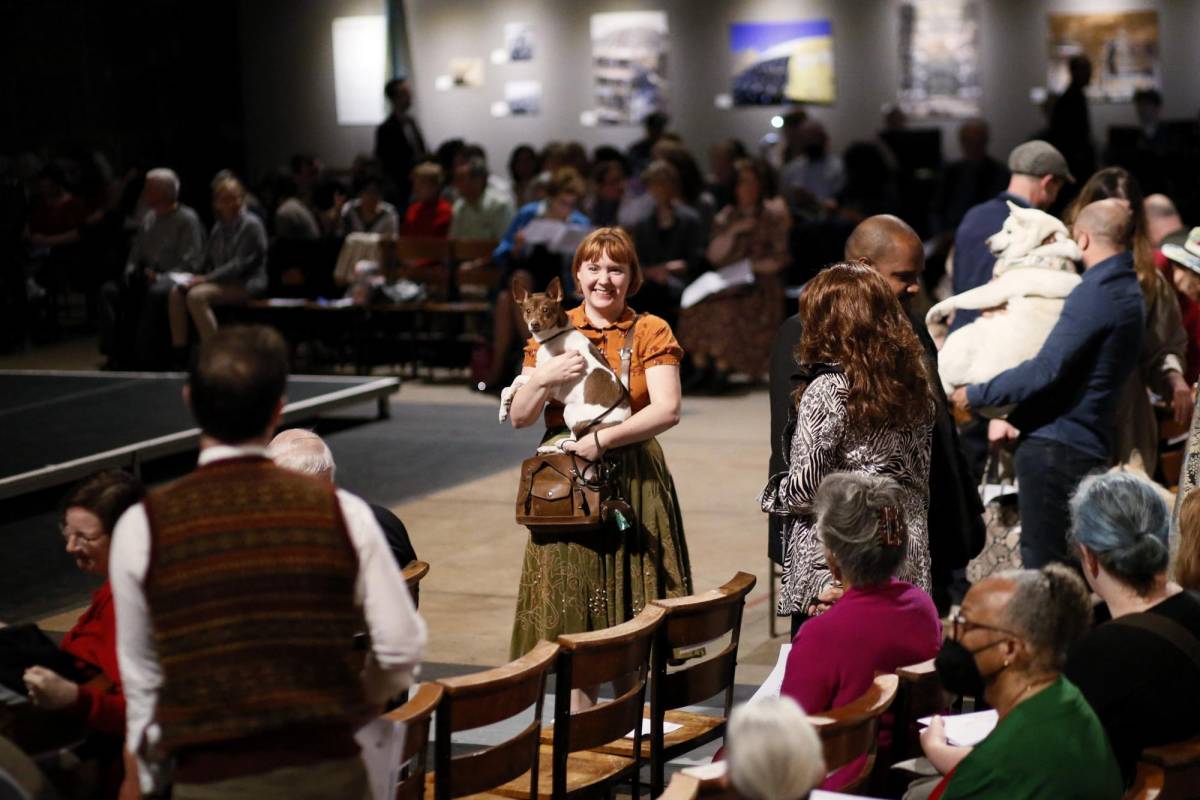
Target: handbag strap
{"type": "Point", "coordinates": [1165, 627]}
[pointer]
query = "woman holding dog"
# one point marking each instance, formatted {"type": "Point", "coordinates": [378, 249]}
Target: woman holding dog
{"type": "Point", "coordinates": [865, 406]}
{"type": "Point", "coordinates": [602, 578]}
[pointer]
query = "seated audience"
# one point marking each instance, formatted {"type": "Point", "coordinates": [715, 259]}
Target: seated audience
{"type": "Point", "coordinates": [722, 178]}
{"type": "Point", "coordinates": [654, 125]}
{"type": "Point", "coordinates": [869, 187]}
{"type": "Point", "coordinates": [233, 272]}
{"type": "Point", "coordinates": [692, 189]}
{"type": "Point", "coordinates": [973, 179]}
{"type": "Point", "coordinates": [169, 239]}
{"type": "Point", "coordinates": [499, 185]}
{"type": "Point", "coordinates": [429, 213]}
{"type": "Point", "coordinates": [54, 229]}
{"type": "Point", "coordinates": [880, 623]}
{"type": "Point", "coordinates": [305, 452]}
{"type": "Point", "coordinates": [1179, 260]}
{"type": "Point", "coordinates": [812, 179]}
{"type": "Point", "coordinates": [1009, 645]}
{"type": "Point", "coordinates": [329, 200]}
{"type": "Point", "coordinates": [1135, 670]}
{"type": "Point", "coordinates": [523, 168]}
{"type": "Point", "coordinates": [1162, 218]}
{"type": "Point", "coordinates": [608, 202]}
{"type": "Point", "coordinates": [670, 243]}
{"type": "Point", "coordinates": [368, 212]}
{"type": "Point", "coordinates": [1164, 342]}
{"type": "Point", "coordinates": [773, 751]}
{"type": "Point", "coordinates": [89, 515]}
{"type": "Point", "coordinates": [293, 218]}
{"type": "Point", "coordinates": [732, 330]}
{"type": "Point", "coordinates": [262, 698]}
{"type": "Point", "coordinates": [480, 212]}
{"type": "Point", "coordinates": [535, 262]}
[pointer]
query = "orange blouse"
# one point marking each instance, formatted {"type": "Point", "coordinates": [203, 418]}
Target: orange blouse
{"type": "Point", "coordinates": [654, 345]}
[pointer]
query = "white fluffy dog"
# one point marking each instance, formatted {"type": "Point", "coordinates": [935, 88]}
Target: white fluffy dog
{"type": "Point", "coordinates": [1034, 272]}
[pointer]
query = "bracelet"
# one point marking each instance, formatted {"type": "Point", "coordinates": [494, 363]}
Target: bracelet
{"type": "Point", "coordinates": [596, 437]}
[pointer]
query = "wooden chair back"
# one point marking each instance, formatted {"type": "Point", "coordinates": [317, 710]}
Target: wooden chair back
{"type": "Point", "coordinates": [1179, 763]}
{"type": "Point", "coordinates": [1147, 784]}
{"type": "Point", "coordinates": [474, 281]}
{"type": "Point", "coordinates": [472, 249]}
{"type": "Point", "coordinates": [852, 730]}
{"type": "Point", "coordinates": [919, 694]}
{"type": "Point", "coordinates": [692, 621]}
{"type": "Point", "coordinates": [485, 698]}
{"type": "Point", "coordinates": [416, 715]}
{"type": "Point", "coordinates": [619, 655]}
{"type": "Point", "coordinates": [422, 248]}
{"type": "Point", "coordinates": [413, 572]}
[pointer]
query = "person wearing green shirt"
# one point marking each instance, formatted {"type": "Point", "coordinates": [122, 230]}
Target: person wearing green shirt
{"type": "Point", "coordinates": [1008, 645]}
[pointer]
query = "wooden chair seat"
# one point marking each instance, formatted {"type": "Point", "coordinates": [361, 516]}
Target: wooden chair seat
{"type": "Point", "coordinates": [695, 728]}
{"type": "Point", "coordinates": [584, 768]}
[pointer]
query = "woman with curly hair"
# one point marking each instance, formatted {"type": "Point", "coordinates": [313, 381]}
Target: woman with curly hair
{"type": "Point", "coordinates": [865, 405]}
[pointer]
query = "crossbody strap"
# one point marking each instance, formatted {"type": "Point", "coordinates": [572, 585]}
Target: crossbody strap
{"type": "Point", "coordinates": [1165, 627]}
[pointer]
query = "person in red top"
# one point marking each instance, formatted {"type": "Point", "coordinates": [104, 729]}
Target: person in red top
{"type": "Point", "coordinates": [89, 514]}
{"type": "Point", "coordinates": [429, 214]}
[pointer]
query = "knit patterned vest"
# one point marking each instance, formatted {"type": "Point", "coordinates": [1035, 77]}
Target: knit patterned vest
{"type": "Point", "coordinates": [250, 589]}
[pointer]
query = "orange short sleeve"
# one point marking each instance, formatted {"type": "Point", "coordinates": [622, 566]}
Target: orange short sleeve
{"type": "Point", "coordinates": [656, 343]}
{"type": "Point", "coordinates": [531, 348]}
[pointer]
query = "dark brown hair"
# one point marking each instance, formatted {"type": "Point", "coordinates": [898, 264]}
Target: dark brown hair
{"type": "Point", "coordinates": [1117, 182]}
{"type": "Point", "coordinates": [238, 378]}
{"type": "Point", "coordinates": [852, 318]}
{"type": "Point", "coordinates": [107, 494]}
{"type": "Point", "coordinates": [618, 245]}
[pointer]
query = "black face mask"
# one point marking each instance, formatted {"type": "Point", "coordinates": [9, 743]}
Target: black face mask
{"type": "Point", "coordinates": [957, 670]}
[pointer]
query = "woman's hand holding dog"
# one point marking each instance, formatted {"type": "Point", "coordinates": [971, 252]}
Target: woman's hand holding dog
{"type": "Point", "coordinates": [560, 369]}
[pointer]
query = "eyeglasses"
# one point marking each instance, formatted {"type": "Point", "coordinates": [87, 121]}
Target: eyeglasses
{"type": "Point", "coordinates": [960, 625]}
{"type": "Point", "coordinates": [70, 533]}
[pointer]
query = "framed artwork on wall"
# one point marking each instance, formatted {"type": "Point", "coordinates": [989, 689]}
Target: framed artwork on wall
{"type": "Point", "coordinates": [1123, 49]}
{"type": "Point", "coordinates": [629, 66]}
{"type": "Point", "coordinates": [782, 62]}
{"type": "Point", "coordinates": [939, 58]}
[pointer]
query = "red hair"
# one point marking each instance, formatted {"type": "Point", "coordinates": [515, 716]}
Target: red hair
{"type": "Point", "coordinates": [852, 318]}
{"type": "Point", "coordinates": [620, 249]}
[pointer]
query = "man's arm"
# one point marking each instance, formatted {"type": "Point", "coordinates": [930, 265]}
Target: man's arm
{"type": "Point", "coordinates": [397, 630]}
{"type": "Point", "coordinates": [191, 249]}
{"type": "Point", "coordinates": [1084, 318]}
{"type": "Point", "coordinates": [141, 675]}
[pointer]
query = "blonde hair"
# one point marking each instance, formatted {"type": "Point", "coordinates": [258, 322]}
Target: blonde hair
{"type": "Point", "coordinates": [428, 171]}
{"type": "Point", "coordinates": [773, 751]}
{"type": "Point", "coordinates": [620, 249]}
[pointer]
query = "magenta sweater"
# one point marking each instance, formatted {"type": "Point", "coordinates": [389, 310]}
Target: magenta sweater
{"type": "Point", "coordinates": [872, 630]}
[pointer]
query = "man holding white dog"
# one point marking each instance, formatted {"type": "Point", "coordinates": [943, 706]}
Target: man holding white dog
{"type": "Point", "coordinates": [1066, 396]}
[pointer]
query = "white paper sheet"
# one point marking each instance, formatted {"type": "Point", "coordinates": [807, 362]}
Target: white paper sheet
{"type": "Point", "coordinates": [668, 727]}
{"type": "Point", "coordinates": [774, 681]}
{"type": "Point", "coordinates": [180, 278]}
{"type": "Point", "coordinates": [556, 235]}
{"type": "Point", "coordinates": [710, 283]}
{"type": "Point", "coordinates": [967, 730]}
{"type": "Point", "coordinates": [382, 744]}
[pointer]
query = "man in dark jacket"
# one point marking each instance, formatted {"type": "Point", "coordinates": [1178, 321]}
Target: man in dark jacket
{"type": "Point", "coordinates": [956, 529]}
{"type": "Point", "coordinates": [399, 144]}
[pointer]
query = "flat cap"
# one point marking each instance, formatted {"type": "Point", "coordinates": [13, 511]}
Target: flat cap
{"type": "Point", "coordinates": [1039, 158]}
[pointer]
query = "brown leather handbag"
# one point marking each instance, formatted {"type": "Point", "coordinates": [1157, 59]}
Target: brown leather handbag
{"type": "Point", "coordinates": [563, 493]}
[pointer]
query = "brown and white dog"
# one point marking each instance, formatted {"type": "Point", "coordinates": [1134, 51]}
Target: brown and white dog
{"type": "Point", "coordinates": [595, 394]}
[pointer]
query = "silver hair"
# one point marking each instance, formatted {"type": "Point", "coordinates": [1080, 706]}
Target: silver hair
{"type": "Point", "coordinates": [1124, 521]}
{"type": "Point", "coordinates": [773, 751]}
{"type": "Point", "coordinates": [165, 177]}
{"type": "Point", "coordinates": [848, 509]}
{"type": "Point", "coordinates": [1050, 609]}
{"type": "Point", "coordinates": [304, 452]}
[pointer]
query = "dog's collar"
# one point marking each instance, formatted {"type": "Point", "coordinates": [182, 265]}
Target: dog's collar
{"type": "Point", "coordinates": [563, 332]}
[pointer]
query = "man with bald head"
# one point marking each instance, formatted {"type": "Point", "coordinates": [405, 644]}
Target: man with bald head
{"type": "Point", "coordinates": [1066, 396]}
{"type": "Point", "coordinates": [956, 532]}
{"type": "Point", "coordinates": [305, 452]}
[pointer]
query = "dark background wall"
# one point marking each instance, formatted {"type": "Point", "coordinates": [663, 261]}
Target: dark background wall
{"type": "Point", "coordinates": [155, 81]}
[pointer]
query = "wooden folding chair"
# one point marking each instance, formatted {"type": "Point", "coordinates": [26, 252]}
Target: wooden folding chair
{"type": "Point", "coordinates": [485, 698]}
{"type": "Point", "coordinates": [413, 572]}
{"type": "Point", "coordinates": [426, 260]}
{"type": "Point", "coordinates": [619, 655]}
{"type": "Point", "coordinates": [919, 694]}
{"type": "Point", "coordinates": [1179, 763]}
{"type": "Point", "coordinates": [477, 281]}
{"type": "Point", "coordinates": [416, 715]}
{"type": "Point", "coordinates": [1147, 784]}
{"type": "Point", "coordinates": [853, 730]}
{"type": "Point", "coordinates": [691, 622]}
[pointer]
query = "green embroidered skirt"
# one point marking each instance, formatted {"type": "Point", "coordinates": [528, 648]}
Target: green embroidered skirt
{"type": "Point", "coordinates": [585, 582]}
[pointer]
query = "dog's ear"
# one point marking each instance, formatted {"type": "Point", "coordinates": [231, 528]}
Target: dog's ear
{"type": "Point", "coordinates": [554, 290]}
{"type": "Point", "coordinates": [519, 292]}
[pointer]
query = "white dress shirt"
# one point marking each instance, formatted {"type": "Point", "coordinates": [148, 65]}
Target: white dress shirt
{"type": "Point", "coordinates": [396, 629]}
